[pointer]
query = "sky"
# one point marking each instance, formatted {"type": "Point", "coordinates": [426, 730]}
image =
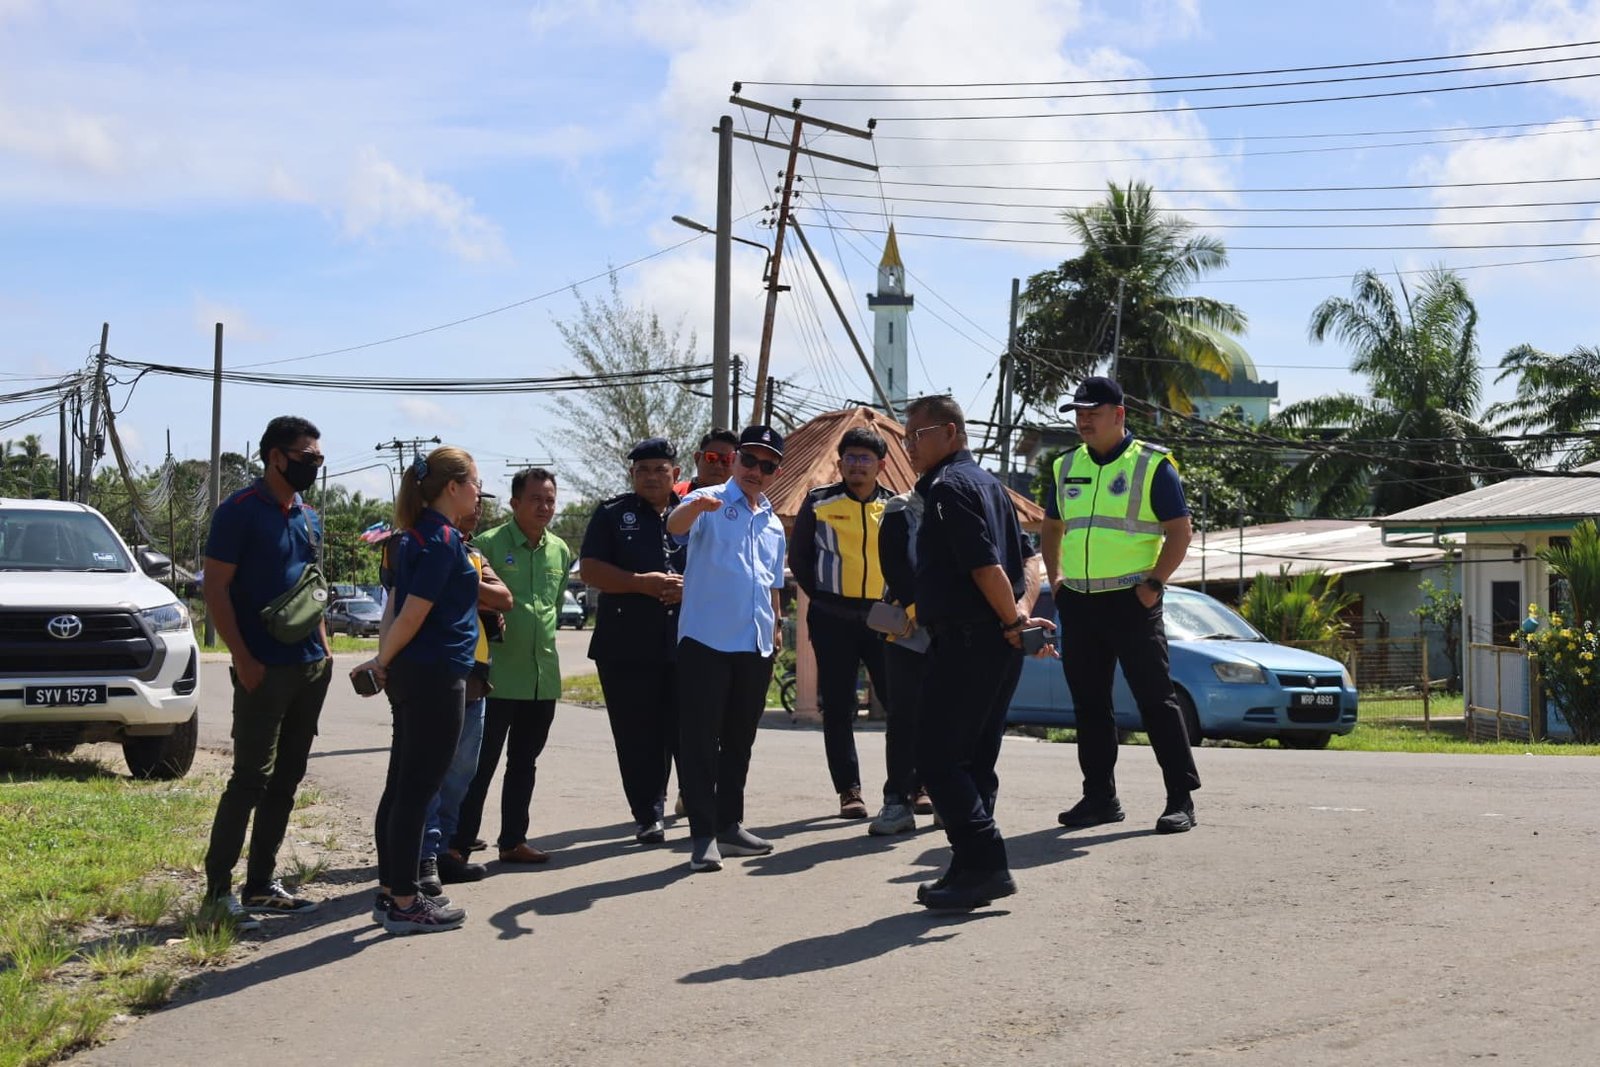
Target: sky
{"type": "Point", "coordinates": [320, 177]}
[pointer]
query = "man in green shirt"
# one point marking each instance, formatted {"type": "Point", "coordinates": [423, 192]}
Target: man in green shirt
{"type": "Point", "coordinates": [525, 680]}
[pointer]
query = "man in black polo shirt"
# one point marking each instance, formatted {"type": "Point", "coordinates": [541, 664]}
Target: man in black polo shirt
{"type": "Point", "coordinates": [261, 539]}
{"type": "Point", "coordinates": [638, 569]}
{"type": "Point", "coordinates": [969, 576]}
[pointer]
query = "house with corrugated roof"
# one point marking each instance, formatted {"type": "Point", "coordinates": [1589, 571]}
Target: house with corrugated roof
{"type": "Point", "coordinates": [1500, 529]}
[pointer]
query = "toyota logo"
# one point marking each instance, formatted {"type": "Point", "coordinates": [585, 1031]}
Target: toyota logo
{"type": "Point", "coordinates": [64, 627]}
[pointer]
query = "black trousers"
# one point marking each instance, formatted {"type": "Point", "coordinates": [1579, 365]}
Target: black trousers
{"type": "Point", "coordinates": [273, 729]}
{"type": "Point", "coordinates": [905, 670]}
{"type": "Point", "coordinates": [721, 696]}
{"type": "Point", "coordinates": [1098, 631]}
{"type": "Point", "coordinates": [972, 671]}
{"type": "Point", "coordinates": [642, 704]}
{"type": "Point", "coordinates": [429, 704]}
{"type": "Point", "coordinates": [519, 728]}
{"type": "Point", "coordinates": [843, 644]}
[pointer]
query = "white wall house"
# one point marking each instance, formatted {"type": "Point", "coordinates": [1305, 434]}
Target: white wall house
{"type": "Point", "coordinates": [1500, 529]}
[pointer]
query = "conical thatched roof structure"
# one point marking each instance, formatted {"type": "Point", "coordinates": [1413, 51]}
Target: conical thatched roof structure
{"type": "Point", "coordinates": [810, 459]}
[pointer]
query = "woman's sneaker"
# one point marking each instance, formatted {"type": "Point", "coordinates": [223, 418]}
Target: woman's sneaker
{"type": "Point", "coordinates": [424, 916]}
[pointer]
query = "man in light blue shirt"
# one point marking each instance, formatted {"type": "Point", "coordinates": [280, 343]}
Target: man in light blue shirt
{"type": "Point", "coordinates": [728, 636]}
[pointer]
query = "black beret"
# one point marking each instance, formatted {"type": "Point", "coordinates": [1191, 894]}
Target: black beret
{"type": "Point", "coordinates": [653, 448]}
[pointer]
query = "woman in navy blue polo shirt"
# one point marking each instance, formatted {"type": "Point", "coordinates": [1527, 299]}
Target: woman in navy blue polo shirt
{"type": "Point", "coordinates": [423, 661]}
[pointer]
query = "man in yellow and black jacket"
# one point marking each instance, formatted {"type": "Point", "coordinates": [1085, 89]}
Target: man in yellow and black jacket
{"type": "Point", "coordinates": [834, 556]}
{"type": "Point", "coordinates": [1116, 527]}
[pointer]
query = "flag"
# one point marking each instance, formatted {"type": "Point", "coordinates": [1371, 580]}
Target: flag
{"type": "Point", "coordinates": [375, 533]}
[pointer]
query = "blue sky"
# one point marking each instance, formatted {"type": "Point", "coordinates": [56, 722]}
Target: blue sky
{"type": "Point", "coordinates": [319, 176]}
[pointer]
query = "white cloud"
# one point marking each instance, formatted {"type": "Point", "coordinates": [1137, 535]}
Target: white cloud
{"type": "Point", "coordinates": [425, 415]}
{"type": "Point", "coordinates": [236, 325]}
{"type": "Point", "coordinates": [64, 138]}
{"type": "Point", "coordinates": [381, 196]}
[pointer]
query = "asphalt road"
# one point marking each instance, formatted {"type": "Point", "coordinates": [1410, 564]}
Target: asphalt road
{"type": "Point", "coordinates": [1331, 908]}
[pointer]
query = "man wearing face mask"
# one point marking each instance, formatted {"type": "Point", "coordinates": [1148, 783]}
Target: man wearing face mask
{"type": "Point", "coordinates": [261, 539]}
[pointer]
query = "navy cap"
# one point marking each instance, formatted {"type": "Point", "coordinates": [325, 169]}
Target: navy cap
{"type": "Point", "coordinates": [764, 436]}
{"type": "Point", "coordinates": [652, 448]}
{"type": "Point", "coordinates": [1092, 392]}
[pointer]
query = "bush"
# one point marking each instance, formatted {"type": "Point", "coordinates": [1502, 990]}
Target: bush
{"type": "Point", "coordinates": [1566, 657]}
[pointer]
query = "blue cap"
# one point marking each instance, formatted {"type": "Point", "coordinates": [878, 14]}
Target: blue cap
{"type": "Point", "coordinates": [762, 436]}
{"type": "Point", "coordinates": [652, 448]}
{"type": "Point", "coordinates": [1092, 392]}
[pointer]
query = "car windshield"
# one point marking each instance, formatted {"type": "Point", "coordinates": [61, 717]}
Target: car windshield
{"type": "Point", "coordinates": [364, 608]}
{"type": "Point", "coordinates": [570, 601]}
{"type": "Point", "coordinates": [39, 540]}
{"type": "Point", "coordinates": [1196, 617]}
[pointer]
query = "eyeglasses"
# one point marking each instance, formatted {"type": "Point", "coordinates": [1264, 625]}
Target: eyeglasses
{"type": "Point", "coordinates": [915, 436]}
{"type": "Point", "coordinates": [750, 462]}
{"type": "Point", "coordinates": [856, 459]}
{"type": "Point", "coordinates": [720, 459]}
{"type": "Point", "coordinates": [314, 459]}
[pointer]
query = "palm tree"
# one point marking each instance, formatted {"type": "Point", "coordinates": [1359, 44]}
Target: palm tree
{"type": "Point", "coordinates": [1167, 337]}
{"type": "Point", "coordinates": [1420, 355]}
{"type": "Point", "coordinates": [1554, 394]}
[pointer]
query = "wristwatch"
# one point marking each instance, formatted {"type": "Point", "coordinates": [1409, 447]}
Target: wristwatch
{"type": "Point", "coordinates": [1155, 583]}
{"type": "Point", "coordinates": [1015, 624]}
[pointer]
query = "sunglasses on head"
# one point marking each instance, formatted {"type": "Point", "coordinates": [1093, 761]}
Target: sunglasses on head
{"type": "Point", "coordinates": [750, 461]}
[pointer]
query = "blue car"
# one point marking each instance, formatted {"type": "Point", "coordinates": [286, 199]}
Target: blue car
{"type": "Point", "coordinates": [1231, 681]}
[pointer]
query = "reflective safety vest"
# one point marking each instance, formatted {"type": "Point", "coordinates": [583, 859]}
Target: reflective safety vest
{"type": "Point", "coordinates": [1112, 535]}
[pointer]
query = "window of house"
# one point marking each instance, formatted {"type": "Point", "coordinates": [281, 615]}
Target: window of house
{"type": "Point", "coordinates": [1560, 593]}
{"type": "Point", "coordinates": [1506, 610]}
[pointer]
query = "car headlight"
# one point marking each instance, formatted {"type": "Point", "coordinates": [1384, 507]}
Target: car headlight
{"type": "Point", "coordinates": [1240, 673]}
{"type": "Point", "coordinates": [1349, 679]}
{"type": "Point", "coordinates": [168, 617]}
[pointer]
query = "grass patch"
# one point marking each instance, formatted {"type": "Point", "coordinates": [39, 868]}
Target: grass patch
{"type": "Point", "coordinates": [208, 939]}
{"type": "Point", "coordinates": [582, 689]}
{"type": "Point", "coordinates": [78, 846]}
{"type": "Point", "coordinates": [300, 871]}
{"type": "Point", "coordinates": [1445, 737]}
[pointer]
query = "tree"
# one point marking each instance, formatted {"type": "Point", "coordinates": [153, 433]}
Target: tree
{"type": "Point", "coordinates": [1304, 608]}
{"type": "Point", "coordinates": [602, 423]}
{"type": "Point", "coordinates": [1441, 606]}
{"type": "Point", "coordinates": [1167, 338]}
{"type": "Point", "coordinates": [1419, 353]}
{"type": "Point", "coordinates": [1555, 394]}
{"type": "Point", "coordinates": [1221, 482]}
{"type": "Point", "coordinates": [27, 470]}
{"type": "Point", "coordinates": [572, 521]}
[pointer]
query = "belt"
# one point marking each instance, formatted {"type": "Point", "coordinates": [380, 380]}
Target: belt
{"type": "Point", "coordinates": [1101, 585]}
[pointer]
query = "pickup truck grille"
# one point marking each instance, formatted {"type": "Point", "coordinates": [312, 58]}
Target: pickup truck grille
{"type": "Point", "coordinates": [111, 642]}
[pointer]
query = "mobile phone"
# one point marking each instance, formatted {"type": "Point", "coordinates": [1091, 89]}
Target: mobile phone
{"type": "Point", "coordinates": [1032, 640]}
{"type": "Point", "coordinates": [366, 682]}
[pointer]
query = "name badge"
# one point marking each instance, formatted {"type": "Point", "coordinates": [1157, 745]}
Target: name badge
{"type": "Point", "coordinates": [1077, 481]}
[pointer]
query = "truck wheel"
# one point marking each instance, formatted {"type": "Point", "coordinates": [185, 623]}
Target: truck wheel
{"type": "Point", "coordinates": [163, 758]}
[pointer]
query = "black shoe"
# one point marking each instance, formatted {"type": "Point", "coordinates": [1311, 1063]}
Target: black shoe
{"type": "Point", "coordinates": [1178, 817]}
{"type": "Point", "coordinates": [428, 882]}
{"type": "Point", "coordinates": [938, 883]}
{"type": "Point", "coordinates": [454, 868]}
{"type": "Point", "coordinates": [970, 889]}
{"type": "Point", "coordinates": [1092, 811]}
{"type": "Point", "coordinates": [651, 833]}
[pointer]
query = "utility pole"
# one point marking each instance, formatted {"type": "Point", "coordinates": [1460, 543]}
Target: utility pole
{"type": "Point", "coordinates": [772, 385]}
{"type": "Point", "coordinates": [1116, 335]}
{"type": "Point", "coordinates": [738, 373]}
{"type": "Point", "coordinates": [91, 439]}
{"type": "Point", "coordinates": [399, 446]}
{"type": "Point", "coordinates": [787, 194]}
{"type": "Point", "coordinates": [877, 386]}
{"type": "Point", "coordinates": [1008, 364]}
{"type": "Point", "coordinates": [722, 298]}
{"type": "Point", "coordinates": [62, 462]}
{"type": "Point", "coordinates": [214, 489]}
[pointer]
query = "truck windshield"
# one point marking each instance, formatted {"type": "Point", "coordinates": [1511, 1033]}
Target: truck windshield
{"type": "Point", "coordinates": [37, 540]}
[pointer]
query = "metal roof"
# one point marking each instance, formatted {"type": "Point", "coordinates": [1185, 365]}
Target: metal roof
{"type": "Point", "coordinates": [1533, 499]}
{"type": "Point", "coordinates": [1334, 546]}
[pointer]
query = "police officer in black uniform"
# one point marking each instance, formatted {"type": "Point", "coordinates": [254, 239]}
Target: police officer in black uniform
{"type": "Point", "coordinates": [638, 569]}
{"type": "Point", "coordinates": [969, 576]}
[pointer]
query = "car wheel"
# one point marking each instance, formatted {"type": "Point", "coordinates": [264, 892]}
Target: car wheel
{"type": "Point", "coordinates": [1305, 739]}
{"type": "Point", "coordinates": [163, 758]}
{"type": "Point", "coordinates": [786, 693]}
{"type": "Point", "coordinates": [1191, 719]}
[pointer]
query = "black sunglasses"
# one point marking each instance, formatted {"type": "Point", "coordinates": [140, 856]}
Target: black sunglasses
{"type": "Point", "coordinates": [749, 462]}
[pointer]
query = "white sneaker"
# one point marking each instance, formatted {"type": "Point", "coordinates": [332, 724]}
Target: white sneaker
{"type": "Point", "coordinates": [229, 907]}
{"type": "Point", "coordinates": [893, 819]}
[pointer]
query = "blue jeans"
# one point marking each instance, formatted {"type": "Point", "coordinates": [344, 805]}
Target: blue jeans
{"type": "Point", "coordinates": [445, 808]}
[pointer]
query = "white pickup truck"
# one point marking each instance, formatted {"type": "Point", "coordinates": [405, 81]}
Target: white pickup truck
{"type": "Point", "coordinates": [91, 648]}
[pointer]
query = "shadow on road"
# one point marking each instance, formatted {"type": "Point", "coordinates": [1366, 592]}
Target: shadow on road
{"type": "Point", "coordinates": [336, 946]}
{"type": "Point", "coordinates": [580, 898]}
{"type": "Point", "coordinates": [325, 753]}
{"type": "Point", "coordinates": [843, 949]}
{"type": "Point", "coordinates": [1037, 849]}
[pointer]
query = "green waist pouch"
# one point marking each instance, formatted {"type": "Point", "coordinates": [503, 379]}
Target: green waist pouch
{"type": "Point", "coordinates": [295, 614]}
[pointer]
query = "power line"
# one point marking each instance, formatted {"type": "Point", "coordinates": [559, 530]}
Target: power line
{"type": "Point", "coordinates": [1222, 208]}
{"type": "Point", "coordinates": [1142, 139]}
{"type": "Point", "coordinates": [1100, 189]}
{"type": "Point", "coordinates": [467, 386]}
{"type": "Point", "coordinates": [1190, 108]}
{"type": "Point", "coordinates": [1248, 225]}
{"type": "Point", "coordinates": [1175, 77]}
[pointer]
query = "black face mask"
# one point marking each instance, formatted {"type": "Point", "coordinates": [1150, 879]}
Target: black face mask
{"type": "Point", "coordinates": [299, 474]}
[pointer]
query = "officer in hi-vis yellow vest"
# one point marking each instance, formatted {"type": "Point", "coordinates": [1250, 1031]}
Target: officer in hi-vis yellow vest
{"type": "Point", "coordinates": [1116, 527]}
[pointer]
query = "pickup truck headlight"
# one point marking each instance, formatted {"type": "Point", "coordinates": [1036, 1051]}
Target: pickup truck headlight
{"type": "Point", "coordinates": [1349, 679]}
{"type": "Point", "coordinates": [1240, 673]}
{"type": "Point", "coordinates": [168, 617]}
